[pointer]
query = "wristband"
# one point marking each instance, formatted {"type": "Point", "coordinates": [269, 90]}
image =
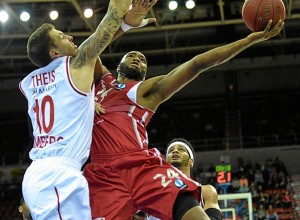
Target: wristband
{"type": "Point", "coordinates": [125, 27]}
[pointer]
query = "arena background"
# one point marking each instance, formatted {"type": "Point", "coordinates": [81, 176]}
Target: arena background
{"type": "Point", "coordinates": [246, 111]}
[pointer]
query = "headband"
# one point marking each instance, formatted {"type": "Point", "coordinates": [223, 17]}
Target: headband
{"type": "Point", "coordinates": [184, 145]}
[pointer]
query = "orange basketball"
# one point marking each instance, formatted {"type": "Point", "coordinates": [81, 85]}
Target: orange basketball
{"type": "Point", "coordinates": [257, 13]}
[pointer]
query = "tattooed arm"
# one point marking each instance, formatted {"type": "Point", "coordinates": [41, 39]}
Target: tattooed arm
{"type": "Point", "coordinates": [82, 66]}
{"type": "Point", "coordinates": [135, 17]}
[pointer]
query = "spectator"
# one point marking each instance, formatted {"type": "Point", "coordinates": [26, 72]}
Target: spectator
{"type": "Point", "coordinates": [277, 200]}
{"type": "Point", "coordinates": [258, 177]}
{"type": "Point", "coordinates": [235, 184]}
{"type": "Point", "coordinates": [243, 181]}
{"type": "Point", "coordinates": [287, 200]}
{"type": "Point", "coordinates": [273, 177]}
{"type": "Point", "coordinates": [261, 212]}
{"type": "Point", "coordinates": [289, 186]}
{"type": "Point", "coordinates": [262, 198]}
{"type": "Point", "coordinates": [254, 193]}
{"type": "Point", "coordinates": [271, 213]}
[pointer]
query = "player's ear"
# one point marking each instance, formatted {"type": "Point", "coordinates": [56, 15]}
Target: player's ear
{"type": "Point", "coordinates": [118, 68]}
{"type": "Point", "coordinates": [191, 161]}
{"type": "Point", "coordinates": [20, 209]}
{"type": "Point", "coordinates": [53, 54]}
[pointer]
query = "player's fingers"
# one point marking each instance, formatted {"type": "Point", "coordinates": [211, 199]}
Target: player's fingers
{"type": "Point", "coordinates": [280, 26]}
{"type": "Point", "coordinates": [140, 2]}
{"type": "Point", "coordinates": [277, 27]}
{"type": "Point", "coordinates": [151, 3]}
{"type": "Point", "coordinates": [268, 26]}
{"type": "Point", "coordinates": [98, 108]}
{"type": "Point", "coordinates": [134, 2]}
{"type": "Point", "coordinates": [145, 3]}
{"type": "Point", "coordinates": [102, 110]}
{"type": "Point", "coordinates": [151, 20]}
{"type": "Point", "coordinates": [277, 24]}
{"type": "Point", "coordinates": [97, 111]}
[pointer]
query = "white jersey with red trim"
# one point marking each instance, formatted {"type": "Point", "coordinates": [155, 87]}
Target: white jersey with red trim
{"type": "Point", "coordinates": [61, 115]}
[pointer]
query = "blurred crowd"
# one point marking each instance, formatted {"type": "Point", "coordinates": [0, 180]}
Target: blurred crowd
{"type": "Point", "coordinates": [269, 183]}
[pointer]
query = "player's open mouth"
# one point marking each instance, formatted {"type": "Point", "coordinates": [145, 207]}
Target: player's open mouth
{"type": "Point", "coordinates": [135, 64]}
{"type": "Point", "coordinates": [176, 157]}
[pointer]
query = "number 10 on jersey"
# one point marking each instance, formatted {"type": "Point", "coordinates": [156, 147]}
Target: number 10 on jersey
{"type": "Point", "coordinates": [44, 117]}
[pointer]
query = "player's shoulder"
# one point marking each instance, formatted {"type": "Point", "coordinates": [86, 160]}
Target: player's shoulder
{"type": "Point", "coordinates": [209, 188]}
{"type": "Point", "coordinates": [209, 192]}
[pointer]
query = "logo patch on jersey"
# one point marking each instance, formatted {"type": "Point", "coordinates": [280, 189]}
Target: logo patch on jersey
{"type": "Point", "coordinates": [120, 86]}
{"type": "Point", "coordinates": [179, 184]}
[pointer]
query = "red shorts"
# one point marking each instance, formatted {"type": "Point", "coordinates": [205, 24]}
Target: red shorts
{"type": "Point", "coordinates": [122, 184]}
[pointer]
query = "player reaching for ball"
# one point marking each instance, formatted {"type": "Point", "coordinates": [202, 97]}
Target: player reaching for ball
{"type": "Point", "coordinates": [256, 14]}
{"type": "Point", "coordinates": [124, 175]}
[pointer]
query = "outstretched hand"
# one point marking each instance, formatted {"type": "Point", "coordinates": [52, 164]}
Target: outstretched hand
{"type": "Point", "coordinates": [268, 32]}
{"type": "Point", "coordinates": [135, 17]}
{"type": "Point", "coordinates": [98, 109]}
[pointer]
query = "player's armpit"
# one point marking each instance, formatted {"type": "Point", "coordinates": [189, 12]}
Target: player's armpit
{"type": "Point", "coordinates": [214, 214]}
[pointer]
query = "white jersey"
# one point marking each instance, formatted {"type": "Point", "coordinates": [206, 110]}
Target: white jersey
{"type": "Point", "coordinates": [61, 115]}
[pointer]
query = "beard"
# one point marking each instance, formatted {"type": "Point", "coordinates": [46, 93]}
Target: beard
{"type": "Point", "coordinates": [176, 164]}
{"type": "Point", "coordinates": [180, 164]}
{"type": "Point", "coordinates": [131, 73]}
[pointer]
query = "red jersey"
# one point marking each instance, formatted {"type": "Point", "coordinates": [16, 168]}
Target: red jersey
{"type": "Point", "coordinates": [122, 128]}
{"type": "Point", "coordinates": [123, 172]}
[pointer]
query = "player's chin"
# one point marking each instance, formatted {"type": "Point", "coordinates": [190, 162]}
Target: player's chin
{"type": "Point", "coordinates": [75, 50]}
{"type": "Point", "coordinates": [176, 163]}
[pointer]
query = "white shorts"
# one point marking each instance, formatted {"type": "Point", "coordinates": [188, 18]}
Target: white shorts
{"type": "Point", "coordinates": [54, 188]}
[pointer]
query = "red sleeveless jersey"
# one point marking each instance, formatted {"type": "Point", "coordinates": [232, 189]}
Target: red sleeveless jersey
{"type": "Point", "coordinates": [122, 128]}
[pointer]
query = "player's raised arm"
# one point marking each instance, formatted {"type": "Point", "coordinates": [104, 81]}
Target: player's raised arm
{"type": "Point", "coordinates": [92, 47]}
{"type": "Point", "coordinates": [161, 88]}
{"type": "Point", "coordinates": [82, 65]}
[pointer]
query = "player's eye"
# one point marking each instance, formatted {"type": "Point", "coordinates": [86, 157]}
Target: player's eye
{"type": "Point", "coordinates": [181, 149]}
{"type": "Point", "coordinates": [171, 150]}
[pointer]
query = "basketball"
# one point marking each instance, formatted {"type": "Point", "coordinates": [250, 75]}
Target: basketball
{"type": "Point", "coordinates": [257, 13]}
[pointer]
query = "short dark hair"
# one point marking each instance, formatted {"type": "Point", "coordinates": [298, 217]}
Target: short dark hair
{"type": "Point", "coordinates": [39, 44]}
{"type": "Point", "coordinates": [184, 141]}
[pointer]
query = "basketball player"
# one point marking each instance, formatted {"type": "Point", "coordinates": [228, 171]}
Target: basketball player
{"type": "Point", "coordinates": [60, 98]}
{"type": "Point", "coordinates": [180, 153]}
{"type": "Point", "coordinates": [124, 175]}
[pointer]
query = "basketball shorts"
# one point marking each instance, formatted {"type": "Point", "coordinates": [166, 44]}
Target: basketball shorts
{"type": "Point", "coordinates": [142, 180]}
{"type": "Point", "coordinates": [54, 188]}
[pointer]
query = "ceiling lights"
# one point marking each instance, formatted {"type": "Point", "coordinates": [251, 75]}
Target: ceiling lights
{"type": "Point", "coordinates": [189, 4]}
